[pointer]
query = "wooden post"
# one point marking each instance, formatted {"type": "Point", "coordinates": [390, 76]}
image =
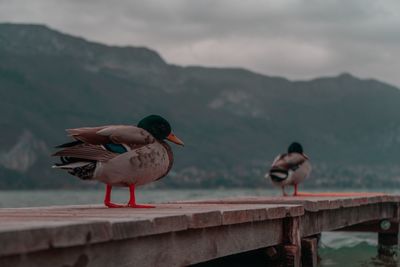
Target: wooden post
{"type": "Point", "coordinates": [292, 245]}
{"type": "Point", "coordinates": [309, 252]}
{"type": "Point", "coordinates": [387, 245]}
{"type": "Point", "coordinates": [388, 236]}
{"type": "Point", "coordinates": [271, 253]}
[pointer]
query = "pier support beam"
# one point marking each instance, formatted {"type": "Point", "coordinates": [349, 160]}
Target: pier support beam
{"type": "Point", "coordinates": [309, 251]}
{"type": "Point", "coordinates": [292, 247]}
{"type": "Point", "coordinates": [388, 246]}
{"type": "Point", "coordinates": [388, 237]}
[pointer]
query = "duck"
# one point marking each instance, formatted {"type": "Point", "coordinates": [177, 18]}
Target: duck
{"type": "Point", "coordinates": [120, 155]}
{"type": "Point", "coordinates": [290, 168]}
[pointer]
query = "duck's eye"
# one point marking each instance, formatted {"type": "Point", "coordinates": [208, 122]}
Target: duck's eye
{"type": "Point", "coordinates": [163, 128]}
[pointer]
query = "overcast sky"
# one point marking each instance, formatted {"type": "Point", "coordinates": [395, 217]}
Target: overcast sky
{"type": "Point", "coordinates": [297, 39]}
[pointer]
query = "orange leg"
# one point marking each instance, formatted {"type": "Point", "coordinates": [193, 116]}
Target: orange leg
{"type": "Point", "coordinates": [295, 190]}
{"type": "Point", "coordinates": [107, 199]}
{"type": "Point", "coordinates": [283, 191]}
{"type": "Point", "coordinates": [132, 200]}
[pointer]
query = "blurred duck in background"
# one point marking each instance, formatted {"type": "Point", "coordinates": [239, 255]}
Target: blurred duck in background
{"type": "Point", "coordinates": [291, 168]}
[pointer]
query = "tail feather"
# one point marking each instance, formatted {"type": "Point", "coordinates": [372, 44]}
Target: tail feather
{"type": "Point", "coordinates": [70, 165]}
{"type": "Point", "coordinates": [80, 159]}
{"type": "Point", "coordinates": [278, 175]}
{"type": "Point", "coordinates": [277, 178]}
{"type": "Point", "coordinates": [81, 169]}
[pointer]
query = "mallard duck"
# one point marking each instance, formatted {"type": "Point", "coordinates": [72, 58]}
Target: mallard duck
{"type": "Point", "coordinates": [290, 169]}
{"type": "Point", "coordinates": [120, 155]}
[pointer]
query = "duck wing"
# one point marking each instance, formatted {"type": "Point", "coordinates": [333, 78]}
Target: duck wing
{"type": "Point", "coordinates": [119, 134]}
{"type": "Point", "coordinates": [293, 161]}
{"type": "Point", "coordinates": [85, 151]}
{"type": "Point", "coordinates": [104, 142]}
{"type": "Point", "coordinates": [290, 161]}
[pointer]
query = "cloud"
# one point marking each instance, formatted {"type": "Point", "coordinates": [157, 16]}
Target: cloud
{"type": "Point", "coordinates": [297, 39]}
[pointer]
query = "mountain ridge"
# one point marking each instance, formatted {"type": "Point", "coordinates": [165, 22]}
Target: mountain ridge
{"type": "Point", "coordinates": [151, 51]}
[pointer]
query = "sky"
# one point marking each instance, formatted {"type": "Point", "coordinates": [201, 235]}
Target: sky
{"type": "Point", "coordinates": [296, 39]}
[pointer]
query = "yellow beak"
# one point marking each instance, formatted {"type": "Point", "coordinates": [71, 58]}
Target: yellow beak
{"type": "Point", "coordinates": [174, 139]}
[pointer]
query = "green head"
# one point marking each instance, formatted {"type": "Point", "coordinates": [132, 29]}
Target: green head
{"type": "Point", "coordinates": [295, 148]}
{"type": "Point", "coordinates": [159, 128]}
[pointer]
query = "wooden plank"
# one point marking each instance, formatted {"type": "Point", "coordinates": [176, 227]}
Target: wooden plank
{"type": "Point", "coordinates": [45, 228]}
{"type": "Point", "coordinates": [52, 234]}
{"type": "Point", "coordinates": [312, 204]}
{"type": "Point", "coordinates": [169, 249]}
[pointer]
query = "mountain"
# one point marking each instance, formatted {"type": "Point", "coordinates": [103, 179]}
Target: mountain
{"type": "Point", "coordinates": [233, 121]}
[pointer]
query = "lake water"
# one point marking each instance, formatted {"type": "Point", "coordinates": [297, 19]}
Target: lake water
{"type": "Point", "coordinates": [337, 249]}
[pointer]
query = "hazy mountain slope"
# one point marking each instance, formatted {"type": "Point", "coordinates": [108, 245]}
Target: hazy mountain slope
{"type": "Point", "coordinates": [232, 120]}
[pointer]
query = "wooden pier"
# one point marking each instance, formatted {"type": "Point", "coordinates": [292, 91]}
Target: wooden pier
{"type": "Point", "coordinates": [282, 230]}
